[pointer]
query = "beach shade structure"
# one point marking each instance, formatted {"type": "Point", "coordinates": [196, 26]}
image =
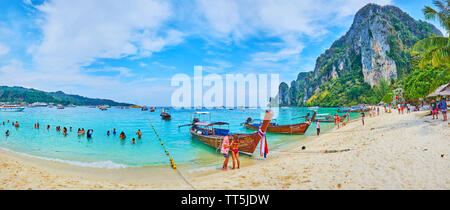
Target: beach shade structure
{"type": "Point", "coordinates": [443, 90]}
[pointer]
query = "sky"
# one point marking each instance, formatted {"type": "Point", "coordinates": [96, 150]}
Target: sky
{"type": "Point", "coordinates": [129, 50]}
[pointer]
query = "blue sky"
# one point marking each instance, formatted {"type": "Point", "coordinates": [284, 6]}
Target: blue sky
{"type": "Point", "coordinates": [128, 50]}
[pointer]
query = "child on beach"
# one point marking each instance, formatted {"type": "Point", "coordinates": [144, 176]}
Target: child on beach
{"type": "Point", "coordinates": [226, 149]}
{"type": "Point", "coordinates": [434, 109]}
{"type": "Point", "coordinates": [235, 152]}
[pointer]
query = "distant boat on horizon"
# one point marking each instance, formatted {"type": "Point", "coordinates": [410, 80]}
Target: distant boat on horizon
{"type": "Point", "coordinates": [11, 108]}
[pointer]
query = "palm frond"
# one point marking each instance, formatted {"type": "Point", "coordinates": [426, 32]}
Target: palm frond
{"type": "Point", "coordinates": [428, 44]}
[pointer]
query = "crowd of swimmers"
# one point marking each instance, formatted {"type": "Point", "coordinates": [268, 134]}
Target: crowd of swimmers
{"type": "Point", "coordinates": [80, 132]}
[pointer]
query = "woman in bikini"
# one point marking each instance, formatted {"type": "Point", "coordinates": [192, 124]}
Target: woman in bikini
{"type": "Point", "coordinates": [235, 151]}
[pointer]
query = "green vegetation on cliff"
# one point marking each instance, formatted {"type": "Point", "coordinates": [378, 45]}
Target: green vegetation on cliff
{"type": "Point", "coordinates": [365, 64]}
{"type": "Point", "coordinates": [20, 94]}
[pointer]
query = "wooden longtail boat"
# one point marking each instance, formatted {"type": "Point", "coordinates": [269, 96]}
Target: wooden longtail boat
{"type": "Point", "coordinates": [357, 108]}
{"type": "Point", "coordinates": [299, 128]}
{"type": "Point", "coordinates": [330, 118]}
{"type": "Point", "coordinates": [205, 133]}
{"type": "Point", "coordinates": [165, 115]}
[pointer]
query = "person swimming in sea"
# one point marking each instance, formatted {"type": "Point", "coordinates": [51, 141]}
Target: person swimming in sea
{"type": "Point", "coordinates": [64, 131]}
{"type": "Point", "coordinates": [133, 141]}
{"type": "Point", "coordinates": [48, 127]}
{"type": "Point", "coordinates": [16, 125]}
{"type": "Point", "coordinates": [114, 131]}
{"type": "Point", "coordinates": [58, 128]}
{"type": "Point", "coordinates": [122, 136]}
{"type": "Point", "coordinates": [139, 133]}
{"type": "Point", "coordinates": [108, 133]}
{"type": "Point", "coordinates": [89, 133]}
{"type": "Point", "coordinates": [7, 133]}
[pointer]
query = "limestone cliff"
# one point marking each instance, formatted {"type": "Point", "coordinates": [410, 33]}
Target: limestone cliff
{"type": "Point", "coordinates": [376, 47]}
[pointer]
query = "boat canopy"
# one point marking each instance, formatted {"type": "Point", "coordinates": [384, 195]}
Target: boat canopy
{"type": "Point", "coordinates": [218, 123]}
{"type": "Point", "coordinates": [202, 123]}
{"type": "Point", "coordinates": [200, 113]}
{"type": "Point", "coordinates": [208, 124]}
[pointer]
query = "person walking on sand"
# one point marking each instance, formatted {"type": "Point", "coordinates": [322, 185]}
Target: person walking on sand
{"type": "Point", "coordinates": [225, 150]}
{"type": "Point", "coordinates": [348, 116]}
{"type": "Point", "coordinates": [443, 104]}
{"type": "Point", "coordinates": [318, 127]}
{"type": "Point", "coordinates": [362, 117]}
{"type": "Point", "coordinates": [235, 152]}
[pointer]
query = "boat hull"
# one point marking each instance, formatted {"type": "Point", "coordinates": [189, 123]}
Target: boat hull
{"type": "Point", "coordinates": [247, 142]}
{"type": "Point", "coordinates": [298, 129]}
{"type": "Point", "coordinates": [11, 109]}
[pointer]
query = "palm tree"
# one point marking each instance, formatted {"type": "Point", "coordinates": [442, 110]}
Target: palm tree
{"type": "Point", "coordinates": [435, 50]}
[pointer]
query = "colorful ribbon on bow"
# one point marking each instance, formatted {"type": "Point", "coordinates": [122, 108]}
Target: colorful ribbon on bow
{"type": "Point", "coordinates": [263, 149]}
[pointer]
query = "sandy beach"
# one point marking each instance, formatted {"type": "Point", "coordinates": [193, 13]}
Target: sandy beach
{"type": "Point", "coordinates": [391, 151]}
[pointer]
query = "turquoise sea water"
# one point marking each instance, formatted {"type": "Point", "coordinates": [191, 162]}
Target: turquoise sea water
{"type": "Point", "coordinates": [110, 152]}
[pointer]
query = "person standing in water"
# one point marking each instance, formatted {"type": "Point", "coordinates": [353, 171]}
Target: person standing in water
{"type": "Point", "coordinates": [122, 136]}
{"type": "Point", "coordinates": [7, 133]}
{"type": "Point", "coordinates": [225, 150]}
{"type": "Point", "coordinates": [114, 131]}
{"type": "Point", "coordinates": [139, 134]}
{"type": "Point", "coordinates": [318, 127]}
{"type": "Point", "coordinates": [89, 133]}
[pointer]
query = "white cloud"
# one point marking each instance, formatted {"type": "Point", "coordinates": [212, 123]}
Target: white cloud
{"type": "Point", "coordinates": [238, 18]}
{"type": "Point", "coordinates": [76, 33]}
{"type": "Point", "coordinates": [3, 49]}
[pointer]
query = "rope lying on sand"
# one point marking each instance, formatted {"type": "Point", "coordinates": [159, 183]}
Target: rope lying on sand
{"type": "Point", "coordinates": [185, 180]}
{"type": "Point", "coordinates": [320, 151]}
{"type": "Point", "coordinates": [171, 160]}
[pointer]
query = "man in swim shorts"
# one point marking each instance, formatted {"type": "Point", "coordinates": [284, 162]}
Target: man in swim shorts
{"type": "Point", "coordinates": [443, 104]}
